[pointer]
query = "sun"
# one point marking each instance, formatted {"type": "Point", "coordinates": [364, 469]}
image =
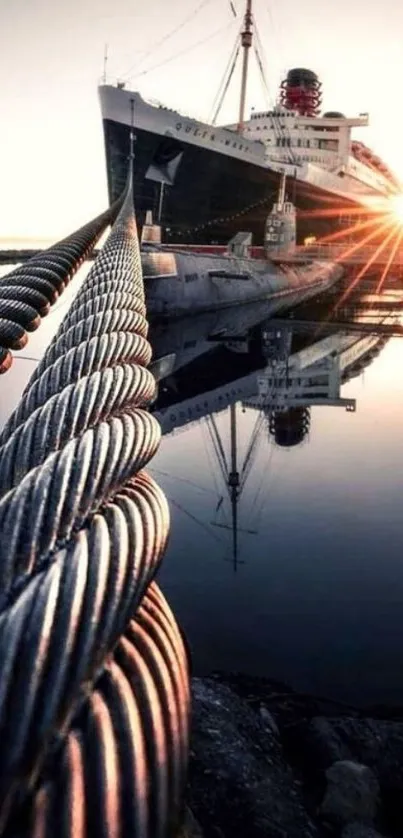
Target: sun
{"type": "Point", "coordinates": [396, 205]}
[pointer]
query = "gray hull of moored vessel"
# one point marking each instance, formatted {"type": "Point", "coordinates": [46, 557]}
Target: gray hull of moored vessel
{"type": "Point", "coordinates": [178, 284]}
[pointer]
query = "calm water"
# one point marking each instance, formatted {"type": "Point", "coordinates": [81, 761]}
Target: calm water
{"type": "Point", "coordinates": [297, 574]}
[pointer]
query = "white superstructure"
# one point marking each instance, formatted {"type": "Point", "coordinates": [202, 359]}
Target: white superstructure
{"type": "Point", "coordinates": [315, 150]}
{"type": "Point", "coordinates": [319, 145]}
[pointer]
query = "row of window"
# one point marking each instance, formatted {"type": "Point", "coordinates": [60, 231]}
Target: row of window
{"type": "Point", "coordinates": [271, 113]}
{"type": "Point", "coordinates": [318, 381]}
{"type": "Point", "coordinates": [312, 158]}
{"type": "Point", "coordinates": [283, 127]}
{"type": "Point", "coordinates": [199, 407]}
{"type": "Point", "coordinates": [205, 134]}
{"type": "Point", "coordinates": [286, 142]}
{"type": "Point", "coordinates": [271, 127]}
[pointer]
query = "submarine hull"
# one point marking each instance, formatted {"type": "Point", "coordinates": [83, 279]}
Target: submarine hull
{"type": "Point", "coordinates": [178, 283]}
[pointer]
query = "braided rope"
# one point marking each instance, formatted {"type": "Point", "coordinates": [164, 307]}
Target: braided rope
{"type": "Point", "coordinates": [27, 293]}
{"type": "Point", "coordinates": [94, 693]}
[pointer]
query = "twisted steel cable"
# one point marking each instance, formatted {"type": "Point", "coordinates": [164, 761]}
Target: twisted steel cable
{"type": "Point", "coordinates": [27, 293]}
{"type": "Point", "coordinates": [94, 694]}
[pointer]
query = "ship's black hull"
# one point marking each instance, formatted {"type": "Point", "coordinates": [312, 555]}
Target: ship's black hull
{"type": "Point", "coordinates": [210, 196]}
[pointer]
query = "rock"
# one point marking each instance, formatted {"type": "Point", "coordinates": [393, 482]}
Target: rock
{"type": "Point", "coordinates": [239, 781]}
{"type": "Point", "coordinates": [190, 828]}
{"type": "Point", "coordinates": [360, 830]}
{"type": "Point", "coordinates": [373, 742]}
{"type": "Point", "coordinates": [268, 720]}
{"type": "Point", "coordinates": [352, 793]}
{"type": "Point", "coordinates": [326, 744]}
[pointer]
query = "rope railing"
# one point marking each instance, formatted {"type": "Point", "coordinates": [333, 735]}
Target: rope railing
{"type": "Point", "coordinates": [29, 291]}
{"type": "Point", "coordinates": [94, 692]}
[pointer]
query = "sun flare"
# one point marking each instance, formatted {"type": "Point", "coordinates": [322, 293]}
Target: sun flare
{"type": "Point", "coordinates": [396, 203]}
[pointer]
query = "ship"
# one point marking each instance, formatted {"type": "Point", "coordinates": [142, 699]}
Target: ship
{"type": "Point", "coordinates": [204, 183]}
{"type": "Point", "coordinates": [179, 282]}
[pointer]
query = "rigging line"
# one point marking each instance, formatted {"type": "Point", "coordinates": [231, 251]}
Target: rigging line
{"type": "Point", "coordinates": [251, 463]}
{"type": "Point", "coordinates": [210, 460]}
{"type": "Point", "coordinates": [259, 43]}
{"type": "Point", "coordinates": [262, 496]}
{"type": "Point", "coordinates": [252, 454]}
{"type": "Point", "coordinates": [182, 52]}
{"type": "Point", "coordinates": [167, 37]}
{"type": "Point", "coordinates": [259, 52]}
{"type": "Point", "coordinates": [253, 516]}
{"type": "Point", "coordinates": [196, 520]}
{"type": "Point", "coordinates": [181, 480]}
{"type": "Point", "coordinates": [220, 104]}
{"type": "Point", "coordinates": [224, 472]}
{"type": "Point", "coordinates": [265, 89]}
{"type": "Point", "coordinates": [278, 129]}
{"type": "Point", "coordinates": [219, 441]}
{"type": "Point", "coordinates": [252, 443]}
{"type": "Point", "coordinates": [269, 454]}
{"type": "Point", "coordinates": [228, 65]}
{"type": "Point", "coordinates": [276, 122]}
{"type": "Point", "coordinates": [226, 71]}
{"type": "Point", "coordinates": [277, 35]}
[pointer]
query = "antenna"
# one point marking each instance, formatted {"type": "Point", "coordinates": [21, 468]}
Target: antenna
{"type": "Point", "coordinates": [105, 63]}
{"type": "Point", "coordinates": [281, 192]}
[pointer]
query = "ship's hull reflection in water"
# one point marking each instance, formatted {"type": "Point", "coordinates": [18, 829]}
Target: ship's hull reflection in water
{"type": "Point", "coordinates": [281, 458]}
{"type": "Point", "coordinates": [282, 461]}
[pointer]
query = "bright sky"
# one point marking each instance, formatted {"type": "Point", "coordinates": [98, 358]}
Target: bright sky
{"type": "Point", "coordinates": [52, 170]}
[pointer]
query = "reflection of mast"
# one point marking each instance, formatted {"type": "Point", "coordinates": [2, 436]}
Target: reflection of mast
{"type": "Point", "coordinates": [235, 480]}
{"type": "Point", "coordinates": [233, 485]}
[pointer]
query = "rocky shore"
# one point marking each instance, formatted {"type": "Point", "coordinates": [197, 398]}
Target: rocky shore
{"type": "Point", "coordinates": [266, 762]}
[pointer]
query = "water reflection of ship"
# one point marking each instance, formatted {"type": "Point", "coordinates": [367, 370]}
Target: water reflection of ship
{"type": "Point", "coordinates": [213, 364]}
{"type": "Point", "coordinates": [290, 425]}
{"type": "Point", "coordinates": [292, 383]}
{"type": "Point", "coordinates": [277, 371]}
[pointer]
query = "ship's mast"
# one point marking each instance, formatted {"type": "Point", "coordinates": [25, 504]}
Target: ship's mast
{"type": "Point", "coordinates": [246, 45]}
